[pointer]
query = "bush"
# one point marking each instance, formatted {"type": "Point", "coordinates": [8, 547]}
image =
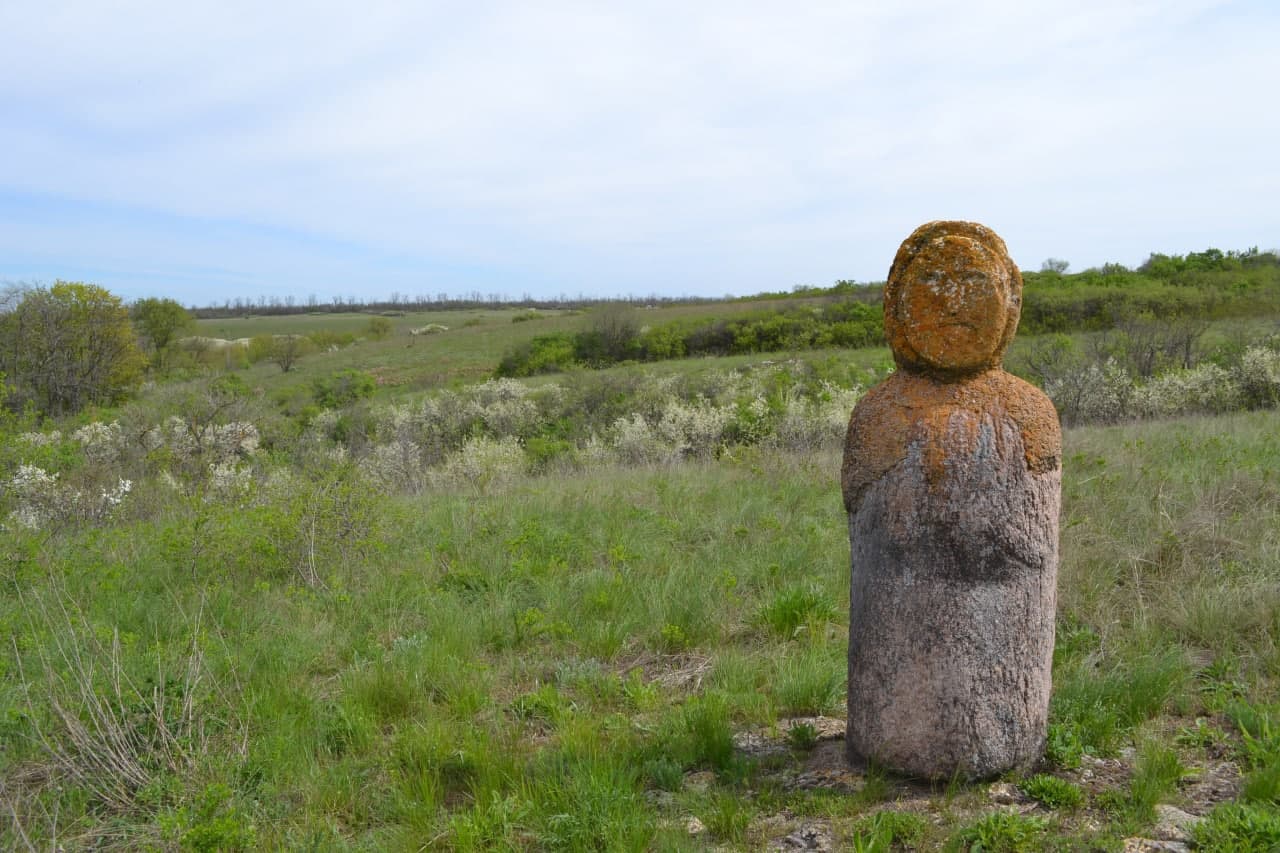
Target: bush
{"type": "Point", "coordinates": [1053, 792]}
{"type": "Point", "coordinates": [68, 346]}
{"type": "Point", "coordinates": [1239, 828]}
{"type": "Point", "coordinates": [325, 339]}
{"type": "Point", "coordinates": [1001, 832]}
{"type": "Point", "coordinates": [343, 388]}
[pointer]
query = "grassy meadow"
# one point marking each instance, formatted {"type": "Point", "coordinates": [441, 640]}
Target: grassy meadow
{"type": "Point", "coordinates": [604, 610]}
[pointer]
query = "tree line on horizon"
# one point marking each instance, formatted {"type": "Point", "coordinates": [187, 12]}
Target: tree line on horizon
{"type": "Point", "coordinates": [74, 344]}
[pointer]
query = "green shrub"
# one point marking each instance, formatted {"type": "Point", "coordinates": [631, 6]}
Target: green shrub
{"type": "Point", "coordinates": [213, 823]}
{"type": "Point", "coordinates": [664, 774]}
{"type": "Point", "coordinates": [810, 681]}
{"type": "Point", "coordinates": [324, 339]}
{"type": "Point", "coordinates": [880, 832]}
{"type": "Point", "coordinates": [795, 607]}
{"type": "Point", "coordinates": [698, 734]}
{"type": "Point", "coordinates": [802, 736]}
{"type": "Point", "coordinates": [543, 354]}
{"type": "Point", "coordinates": [1001, 832]}
{"type": "Point", "coordinates": [1053, 792]}
{"type": "Point", "coordinates": [727, 817]}
{"type": "Point", "coordinates": [1239, 828]}
{"type": "Point", "coordinates": [343, 388]}
{"type": "Point", "coordinates": [378, 328]}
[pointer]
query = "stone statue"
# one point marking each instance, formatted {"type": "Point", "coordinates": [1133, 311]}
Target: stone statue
{"type": "Point", "coordinates": [952, 481]}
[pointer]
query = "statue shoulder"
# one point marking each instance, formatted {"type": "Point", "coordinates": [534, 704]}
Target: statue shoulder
{"type": "Point", "coordinates": [880, 428]}
{"type": "Point", "coordinates": [1034, 413]}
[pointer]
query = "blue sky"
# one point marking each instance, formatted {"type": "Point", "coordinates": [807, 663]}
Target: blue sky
{"type": "Point", "coordinates": [207, 151]}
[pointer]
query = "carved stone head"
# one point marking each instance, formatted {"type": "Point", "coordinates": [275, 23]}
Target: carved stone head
{"type": "Point", "coordinates": [952, 301]}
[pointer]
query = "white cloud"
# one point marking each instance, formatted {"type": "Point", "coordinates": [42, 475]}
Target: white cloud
{"type": "Point", "coordinates": [676, 143]}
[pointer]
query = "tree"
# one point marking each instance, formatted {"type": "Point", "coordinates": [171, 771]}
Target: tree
{"type": "Point", "coordinates": [1057, 265]}
{"type": "Point", "coordinates": [160, 321]}
{"type": "Point", "coordinates": [67, 346]}
{"type": "Point", "coordinates": [287, 349]}
{"type": "Point", "coordinates": [379, 328]}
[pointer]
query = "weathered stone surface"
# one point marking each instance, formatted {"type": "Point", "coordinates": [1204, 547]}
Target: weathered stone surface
{"type": "Point", "coordinates": [951, 477]}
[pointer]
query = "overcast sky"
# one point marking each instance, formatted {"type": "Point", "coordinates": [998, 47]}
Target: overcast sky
{"type": "Point", "coordinates": [206, 151]}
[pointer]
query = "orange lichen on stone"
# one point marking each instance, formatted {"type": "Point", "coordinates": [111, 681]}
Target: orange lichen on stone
{"type": "Point", "coordinates": [952, 300]}
{"type": "Point", "coordinates": [911, 408]}
{"type": "Point", "coordinates": [951, 307]}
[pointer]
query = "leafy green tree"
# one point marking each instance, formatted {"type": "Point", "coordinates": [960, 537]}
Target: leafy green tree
{"type": "Point", "coordinates": [160, 322]}
{"type": "Point", "coordinates": [379, 328]}
{"type": "Point", "coordinates": [287, 349]}
{"type": "Point", "coordinates": [67, 346]}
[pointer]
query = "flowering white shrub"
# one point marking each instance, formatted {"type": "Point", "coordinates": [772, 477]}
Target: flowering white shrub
{"type": "Point", "coordinates": [811, 424]}
{"type": "Point", "coordinates": [596, 451]}
{"type": "Point", "coordinates": [40, 439]}
{"type": "Point", "coordinates": [179, 439]}
{"type": "Point", "coordinates": [41, 499]}
{"type": "Point", "coordinates": [109, 499]}
{"type": "Point", "coordinates": [229, 481]}
{"type": "Point", "coordinates": [635, 443]}
{"type": "Point", "coordinates": [322, 425]}
{"type": "Point", "coordinates": [652, 396]}
{"type": "Point", "coordinates": [395, 466]}
{"type": "Point", "coordinates": [218, 442]}
{"type": "Point", "coordinates": [835, 404]}
{"type": "Point", "coordinates": [482, 462]}
{"type": "Point", "coordinates": [394, 422]}
{"type": "Point", "coordinates": [693, 430]}
{"type": "Point", "coordinates": [444, 420]}
{"type": "Point", "coordinates": [230, 440]}
{"type": "Point", "coordinates": [503, 406]}
{"type": "Point", "coordinates": [1099, 393]}
{"type": "Point", "coordinates": [1258, 377]}
{"type": "Point", "coordinates": [101, 442]}
{"type": "Point", "coordinates": [1206, 388]}
{"type": "Point", "coordinates": [497, 390]}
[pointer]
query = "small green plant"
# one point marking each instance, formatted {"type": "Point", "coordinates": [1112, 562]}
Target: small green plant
{"type": "Point", "coordinates": [875, 786]}
{"type": "Point", "coordinates": [1239, 828]}
{"type": "Point", "coordinates": [640, 695]}
{"type": "Point", "coordinates": [672, 638]}
{"type": "Point", "coordinates": [727, 817]}
{"type": "Point", "coordinates": [1263, 784]}
{"type": "Point", "coordinates": [1000, 832]}
{"type": "Point", "coordinates": [802, 736]}
{"type": "Point", "coordinates": [544, 704]}
{"type": "Point", "coordinates": [1261, 752]}
{"type": "Point", "coordinates": [878, 833]}
{"type": "Point", "coordinates": [213, 822]}
{"type": "Point", "coordinates": [1092, 713]}
{"type": "Point", "coordinates": [1065, 746]}
{"type": "Point", "coordinates": [1155, 776]}
{"type": "Point", "coordinates": [810, 681]}
{"type": "Point", "coordinates": [1053, 792]}
{"type": "Point", "coordinates": [697, 734]}
{"type": "Point", "coordinates": [664, 774]}
{"type": "Point", "coordinates": [795, 607]}
{"type": "Point", "coordinates": [1203, 735]}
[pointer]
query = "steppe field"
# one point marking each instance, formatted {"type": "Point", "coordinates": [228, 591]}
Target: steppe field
{"type": "Point", "coordinates": [389, 599]}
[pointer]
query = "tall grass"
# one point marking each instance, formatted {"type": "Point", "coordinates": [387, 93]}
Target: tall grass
{"type": "Point", "coordinates": [532, 666]}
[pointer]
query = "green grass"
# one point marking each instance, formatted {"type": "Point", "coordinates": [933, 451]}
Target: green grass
{"type": "Point", "coordinates": [1001, 832]}
{"type": "Point", "coordinates": [1053, 792]}
{"type": "Point", "coordinates": [529, 667]}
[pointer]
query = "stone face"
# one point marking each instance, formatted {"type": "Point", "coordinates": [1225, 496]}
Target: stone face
{"type": "Point", "coordinates": [951, 478]}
